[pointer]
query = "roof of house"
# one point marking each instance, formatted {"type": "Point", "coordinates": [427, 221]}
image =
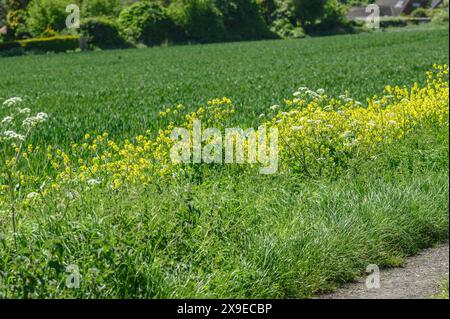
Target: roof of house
{"type": "Point", "coordinates": [436, 3]}
{"type": "Point", "coordinates": [387, 8]}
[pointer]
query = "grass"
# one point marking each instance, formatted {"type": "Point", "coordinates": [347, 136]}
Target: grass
{"type": "Point", "coordinates": [229, 237]}
{"type": "Point", "coordinates": [444, 290]}
{"type": "Point", "coordinates": [225, 233]}
{"type": "Point", "coordinates": [122, 91]}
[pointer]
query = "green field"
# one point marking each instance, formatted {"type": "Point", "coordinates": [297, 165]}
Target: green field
{"type": "Point", "coordinates": [122, 91]}
{"type": "Point", "coordinates": [224, 231]}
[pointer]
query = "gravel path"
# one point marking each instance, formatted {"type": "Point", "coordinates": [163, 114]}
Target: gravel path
{"type": "Point", "coordinates": [418, 279]}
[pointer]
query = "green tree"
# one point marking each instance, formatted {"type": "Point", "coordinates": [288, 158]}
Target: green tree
{"type": "Point", "coordinates": [146, 22]}
{"type": "Point", "coordinates": [308, 11]}
{"type": "Point", "coordinates": [47, 14]}
{"type": "Point", "coordinates": [242, 19]}
{"type": "Point", "coordinates": [201, 20]}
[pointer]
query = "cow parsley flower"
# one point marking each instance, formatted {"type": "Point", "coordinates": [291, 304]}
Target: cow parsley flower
{"type": "Point", "coordinates": [32, 195]}
{"type": "Point", "coordinates": [274, 107]}
{"type": "Point", "coordinates": [11, 135]}
{"type": "Point", "coordinates": [93, 182]}
{"type": "Point", "coordinates": [321, 91]}
{"type": "Point", "coordinates": [25, 111]}
{"type": "Point", "coordinates": [32, 121]}
{"type": "Point", "coordinates": [7, 120]}
{"type": "Point", "coordinates": [12, 101]}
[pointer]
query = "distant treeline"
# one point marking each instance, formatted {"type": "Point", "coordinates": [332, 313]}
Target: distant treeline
{"type": "Point", "coordinates": [153, 22]}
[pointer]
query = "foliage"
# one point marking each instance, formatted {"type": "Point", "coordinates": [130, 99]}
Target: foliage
{"type": "Point", "coordinates": [420, 13]}
{"type": "Point", "coordinates": [2, 13]}
{"type": "Point", "coordinates": [44, 14]}
{"type": "Point", "coordinates": [97, 8]}
{"type": "Point", "coordinates": [242, 19]}
{"type": "Point", "coordinates": [53, 44]}
{"type": "Point", "coordinates": [267, 9]}
{"type": "Point", "coordinates": [308, 12]}
{"type": "Point", "coordinates": [10, 48]}
{"type": "Point", "coordinates": [16, 22]}
{"type": "Point", "coordinates": [200, 19]}
{"type": "Point", "coordinates": [102, 32]}
{"type": "Point", "coordinates": [226, 232]}
{"type": "Point", "coordinates": [285, 29]}
{"type": "Point", "coordinates": [146, 22]}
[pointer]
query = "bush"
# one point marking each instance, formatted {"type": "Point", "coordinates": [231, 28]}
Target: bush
{"type": "Point", "coordinates": [102, 32]}
{"type": "Point", "coordinates": [16, 22]}
{"type": "Point", "coordinates": [146, 22]}
{"type": "Point", "coordinates": [47, 13]}
{"type": "Point", "coordinates": [11, 48]}
{"type": "Point", "coordinates": [392, 22]}
{"type": "Point", "coordinates": [420, 13]}
{"type": "Point", "coordinates": [267, 10]}
{"type": "Point", "coordinates": [53, 44]}
{"type": "Point", "coordinates": [201, 20]}
{"type": "Point", "coordinates": [333, 20]}
{"type": "Point", "coordinates": [440, 17]}
{"type": "Point", "coordinates": [285, 29]}
{"type": "Point", "coordinates": [308, 11]}
{"type": "Point", "coordinates": [97, 8]}
{"type": "Point", "coordinates": [3, 11]}
{"type": "Point", "coordinates": [242, 19]}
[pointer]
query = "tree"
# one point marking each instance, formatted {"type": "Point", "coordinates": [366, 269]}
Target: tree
{"type": "Point", "coordinates": [308, 11]}
{"type": "Point", "coordinates": [242, 19]}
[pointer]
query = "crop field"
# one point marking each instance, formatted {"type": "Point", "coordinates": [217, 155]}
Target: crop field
{"type": "Point", "coordinates": [93, 204]}
{"type": "Point", "coordinates": [122, 91]}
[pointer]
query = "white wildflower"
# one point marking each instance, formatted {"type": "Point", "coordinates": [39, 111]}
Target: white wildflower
{"type": "Point", "coordinates": [93, 182]}
{"type": "Point", "coordinates": [12, 101]}
{"type": "Point", "coordinates": [35, 120]}
{"type": "Point", "coordinates": [32, 195]}
{"type": "Point", "coordinates": [7, 120]}
{"type": "Point", "coordinates": [274, 107]}
{"type": "Point", "coordinates": [262, 115]}
{"type": "Point", "coordinates": [297, 94]}
{"type": "Point", "coordinates": [297, 128]}
{"type": "Point", "coordinates": [321, 91]}
{"type": "Point", "coordinates": [25, 111]}
{"type": "Point", "coordinates": [11, 135]}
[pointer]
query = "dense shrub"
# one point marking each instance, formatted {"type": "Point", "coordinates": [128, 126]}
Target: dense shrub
{"type": "Point", "coordinates": [47, 13]}
{"type": "Point", "coordinates": [201, 20]}
{"type": "Point", "coordinates": [267, 10]}
{"type": "Point", "coordinates": [308, 11]}
{"type": "Point", "coordinates": [146, 22]}
{"type": "Point", "coordinates": [102, 32]}
{"type": "Point", "coordinates": [393, 22]}
{"type": "Point", "coordinates": [10, 48]}
{"type": "Point", "coordinates": [333, 20]}
{"type": "Point", "coordinates": [242, 19]}
{"type": "Point", "coordinates": [54, 44]}
{"type": "Point", "coordinates": [2, 13]}
{"type": "Point", "coordinates": [285, 29]}
{"type": "Point", "coordinates": [96, 8]}
{"type": "Point", "coordinates": [16, 22]}
{"type": "Point", "coordinates": [420, 13]}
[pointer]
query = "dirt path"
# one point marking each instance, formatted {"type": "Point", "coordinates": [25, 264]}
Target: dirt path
{"type": "Point", "coordinates": [419, 279]}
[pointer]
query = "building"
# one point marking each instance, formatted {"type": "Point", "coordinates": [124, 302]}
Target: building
{"type": "Point", "coordinates": [388, 8]}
